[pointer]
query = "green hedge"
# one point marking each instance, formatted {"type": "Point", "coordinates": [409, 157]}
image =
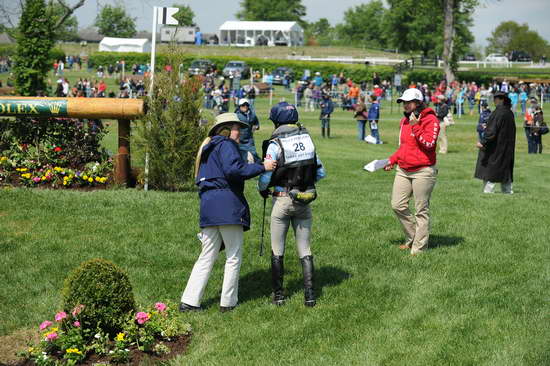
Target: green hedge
{"type": "Point", "coordinates": [356, 72]}
{"type": "Point", "coordinates": [10, 50]}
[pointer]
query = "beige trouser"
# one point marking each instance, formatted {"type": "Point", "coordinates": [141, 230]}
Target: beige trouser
{"type": "Point", "coordinates": [420, 185]}
{"type": "Point", "coordinates": [442, 139]}
{"type": "Point", "coordinates": [211, 238]}
{"type": "Point", "coordinates": [284, 213]}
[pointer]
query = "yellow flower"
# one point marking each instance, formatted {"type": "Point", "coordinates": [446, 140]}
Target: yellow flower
{"type": "Point", "coordinates": [73, 350]}
{"type": "Point", "coordinates": [91, 180]}
{"type": "Point", "coordinates": [120, 337]}
{"type": "Point", "coordinates": [85, 177]}
{"type": "Point", "coordinates": [64, 182]}
{"type": "Point", "coordinates": [31, 349]}
{"type": "Point", "coordinates": [3, 158]}
{"type": "Point", "coordinates": [57, 169]}
{"type": "Point", "coordinates": [21, 169]}
{"type": "Point", "coordinates": [26, 175]}
{"type": "Point", "coordinates": [44, 177]}
{"type": "Point", "coordinates": [97, 179]}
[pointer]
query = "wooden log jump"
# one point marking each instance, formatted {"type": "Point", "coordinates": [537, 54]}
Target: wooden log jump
{"type": "Point", "coordinates": [123, 110]}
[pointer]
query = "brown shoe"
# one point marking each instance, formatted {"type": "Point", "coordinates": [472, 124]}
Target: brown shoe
{"type": "Point", "coordinates": [404, 247]}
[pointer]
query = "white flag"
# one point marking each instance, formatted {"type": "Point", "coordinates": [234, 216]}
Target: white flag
{"type": "Point", "coordinates": [166, 16]}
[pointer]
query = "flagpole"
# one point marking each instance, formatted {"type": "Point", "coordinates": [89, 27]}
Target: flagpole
{"type": "Point", "coordinates": [152, 78]}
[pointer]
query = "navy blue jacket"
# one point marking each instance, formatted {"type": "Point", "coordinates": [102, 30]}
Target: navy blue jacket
{"type": "Point", "coordinates": [327, 107]}
{"type": "Point", "coordinates": [374, 112]}
{"type": "Point", "coordinates": [483, 118]}
{"type": "Point", "coordinates": [221, 178]}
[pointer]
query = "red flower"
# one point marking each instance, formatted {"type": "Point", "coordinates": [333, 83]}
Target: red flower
{"type": "Point", "coordinates": [57, 149]}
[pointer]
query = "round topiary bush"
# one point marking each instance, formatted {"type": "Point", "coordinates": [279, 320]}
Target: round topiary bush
{"type": "Point", "coordinates": [106, 293]}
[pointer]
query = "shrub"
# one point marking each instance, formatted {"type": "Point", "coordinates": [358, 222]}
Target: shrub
{"type": "Point", "coordinates": [106, 293]}
{"type": "Point", "coordinates": [171, 131]}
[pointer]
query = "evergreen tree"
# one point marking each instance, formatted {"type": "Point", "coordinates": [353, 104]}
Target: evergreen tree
{"type": "Point", "coordinates": [35, 38]}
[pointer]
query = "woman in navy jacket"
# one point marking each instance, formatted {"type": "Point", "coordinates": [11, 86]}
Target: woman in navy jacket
{"type": "Point", "coordinates": [220, 173]}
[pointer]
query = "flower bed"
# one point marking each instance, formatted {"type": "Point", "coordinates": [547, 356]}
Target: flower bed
{"type": "Point", "coordinates": [53, 153]}
{"type": "Point", "coordinates": [158, 333]}
{"type": "Point", "coordinates": [91, 175]}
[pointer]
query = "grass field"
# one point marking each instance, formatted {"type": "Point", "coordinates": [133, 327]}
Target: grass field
{"type": "Point", "coordinates": [261, 52]}
{"type": "Point", "coordinates": [479, 296]}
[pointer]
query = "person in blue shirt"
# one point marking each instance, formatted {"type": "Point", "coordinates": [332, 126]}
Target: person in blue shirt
{"type": "Point", "coordinates": [327, 107]}
{"type": "Point", "coordinates": [523, 100]}
{"type": "Point", "coordinates": [247, 146]}
{"type": "Point", "coordinates": [318, 79]}
{"type": "Point", "coordinates": [293, 182]}
{"type": "Point", "coordinates": [513, 95]}
{"type": "Point", "coordinates": [373, 117]}
{"type": "Point", "coordinates": [224, 214]}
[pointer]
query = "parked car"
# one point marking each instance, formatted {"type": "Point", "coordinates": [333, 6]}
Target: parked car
{"type": "Point", "coordinates": [519, 56]}
{"type": "Point", "coordinates": [279, 74]}
{"type": "Point", "coordinates": [237, 66]}
{"type": "Point", "coordinates": [201, 67]}
{"type": "Point", "coordinates": [496, 57]}
{"type": "Point", "coordinates": [469, 57]}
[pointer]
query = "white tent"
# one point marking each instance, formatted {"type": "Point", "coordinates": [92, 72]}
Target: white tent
{"type": "Point", "coordinates": [112, 44]}
{"type": "Point", "coordinates": [235, 33]}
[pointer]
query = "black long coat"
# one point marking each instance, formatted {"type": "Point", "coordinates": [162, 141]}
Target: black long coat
{"type": "Point", "coordinates": [495, 162]}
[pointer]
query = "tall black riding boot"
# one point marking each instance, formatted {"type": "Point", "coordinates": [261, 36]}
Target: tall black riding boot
{"type": "Point", "coordinates": [323, 131]}
{"type": "Point", "coordinates": [307, 267]}
{"type": "Point", "coordinates": [328, 132]}
{"type": "Point", "coordinates": [277, 273]}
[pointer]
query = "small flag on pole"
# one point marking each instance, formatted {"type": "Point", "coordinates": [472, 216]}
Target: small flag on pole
{"type": "Point", "coordinates": [166, 16]}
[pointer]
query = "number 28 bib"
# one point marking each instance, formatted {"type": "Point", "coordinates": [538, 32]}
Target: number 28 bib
{"type": "Point", "coordinates": [297, 149]}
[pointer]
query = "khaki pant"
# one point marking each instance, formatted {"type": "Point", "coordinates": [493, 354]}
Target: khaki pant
{"type": "Point", "coordinates": [284, 213]}
{"type": "Point", "coordinates": [442, 139]}
{"type": "Point", "coordinates": [418, 184]}
{"type": "Point", "coordinates": [211, 238]}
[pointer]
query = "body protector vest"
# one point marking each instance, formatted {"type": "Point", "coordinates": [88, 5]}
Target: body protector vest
{"type": "Point", "coordinates": [297, 162]}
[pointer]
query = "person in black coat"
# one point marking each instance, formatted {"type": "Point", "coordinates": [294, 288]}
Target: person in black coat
{"type": "Point", "coordinates": [495, 162]}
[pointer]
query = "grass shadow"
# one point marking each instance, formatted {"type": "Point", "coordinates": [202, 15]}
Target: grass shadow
{"type": "Point", "coordinates": [257, 284]}
{"type": "Point", "coordinates": [437, 241]}
{"type": "Point", "coordinates": [325, 276]}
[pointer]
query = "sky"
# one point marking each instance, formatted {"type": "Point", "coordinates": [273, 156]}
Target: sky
{"type": "Point", "coordinates": [210, 14]}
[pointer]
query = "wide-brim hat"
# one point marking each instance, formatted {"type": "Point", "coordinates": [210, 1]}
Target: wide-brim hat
{"type": "Point", "coordinates": [226, 119]}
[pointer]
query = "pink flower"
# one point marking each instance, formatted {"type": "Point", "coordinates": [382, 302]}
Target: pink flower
{"type": "Point", "coordinates": [160, 306]}
{"type": "Point", "coordinates": [51, 336]}
{"type": "Point", "coordinates": [76, 324]}
{"type": "Point", "coordinates": [60, 316]}
{"type": "Point", "coordinates": [36, 179]}
{"type": "Point", "coordinates": [142, 317]}
{"type": "Point", "coordinates": [77, 309]}
{"type": "Point", "coordinates": [45, 324]}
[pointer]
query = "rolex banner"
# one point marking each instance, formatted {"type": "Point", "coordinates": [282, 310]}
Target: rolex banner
{"type": "Point", "coordinates": [33, 107]}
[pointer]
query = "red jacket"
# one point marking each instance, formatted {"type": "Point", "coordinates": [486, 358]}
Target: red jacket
{"type": "Point", "coordinates": [417, 142]}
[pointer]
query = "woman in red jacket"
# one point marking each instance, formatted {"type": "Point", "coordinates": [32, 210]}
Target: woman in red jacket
{"type": "Point", "coordinates": [416, 170]}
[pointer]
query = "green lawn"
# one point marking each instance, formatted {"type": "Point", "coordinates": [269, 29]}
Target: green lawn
{"type": "Point", "coordinates": [479, 296]}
